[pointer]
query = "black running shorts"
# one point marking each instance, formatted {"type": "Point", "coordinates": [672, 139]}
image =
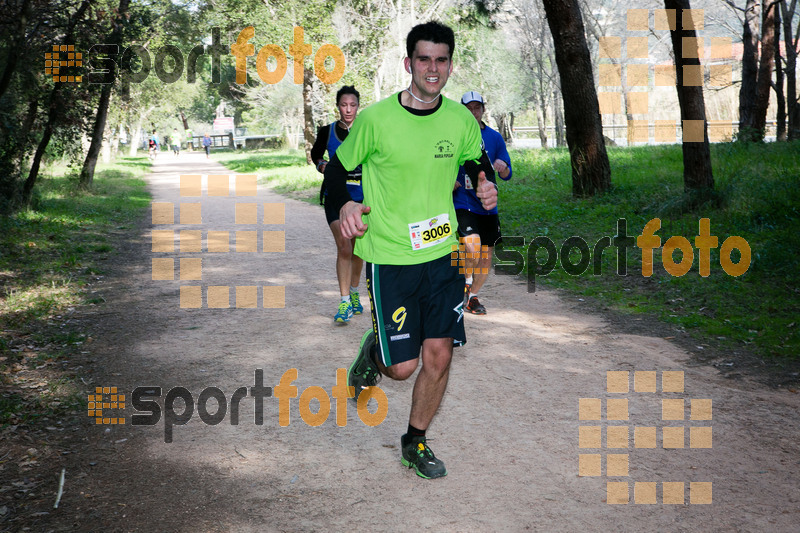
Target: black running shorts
{"type": "Point", "coordinates": [411, 303]}
{"type": "Point", "coordinates": [487, 226]}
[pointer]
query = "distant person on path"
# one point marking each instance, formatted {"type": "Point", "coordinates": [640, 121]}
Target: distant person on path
{"type": "Point", "coordinates": [175, 140]}
{"type": "Point", "coordinates": [189, 140]}
{"type": "Point", "coordinates": [154, 145]}
{"type": "Point", "coordinates": [348, 265]}
{"type": "Point", "coordinates": [207, 145]}
{"type": "Point", "coordinates": [477, 226]}
{"type": "Point", "coordinates": [411, 145]}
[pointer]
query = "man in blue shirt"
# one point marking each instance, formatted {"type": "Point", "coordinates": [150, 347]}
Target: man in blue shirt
{"type": "Point", "coordinates": [478, 228]}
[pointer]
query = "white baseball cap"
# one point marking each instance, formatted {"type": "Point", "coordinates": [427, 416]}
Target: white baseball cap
{"type": "Point", "coordinates": [472, 96]}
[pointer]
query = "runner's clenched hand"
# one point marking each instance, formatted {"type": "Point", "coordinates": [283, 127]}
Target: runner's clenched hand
{"type": "Point", "coordinates": [486, 192]}
{"type": "Point", "coordinates": [350, 219]}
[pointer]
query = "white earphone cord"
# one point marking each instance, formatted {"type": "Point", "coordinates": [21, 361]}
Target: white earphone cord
{"type": "Point", "coordinates": [420, 99]}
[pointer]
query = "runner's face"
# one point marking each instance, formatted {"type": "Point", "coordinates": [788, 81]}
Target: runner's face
{"type": "Point", "coordinates": [476, 108]}
{"type": "Point", "coordinates": [430, 67]}
{"type": "Point", "coordinates": [348, 107]}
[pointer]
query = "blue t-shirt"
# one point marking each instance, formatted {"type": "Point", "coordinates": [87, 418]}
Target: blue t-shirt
{"type": "Point", "coordinates": [354, 176]}
{"type": "Point", "coordinates": [464, 197]}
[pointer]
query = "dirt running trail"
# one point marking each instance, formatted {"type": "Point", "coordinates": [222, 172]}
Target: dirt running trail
{"type": "Point", "coordinates": [508, 429]}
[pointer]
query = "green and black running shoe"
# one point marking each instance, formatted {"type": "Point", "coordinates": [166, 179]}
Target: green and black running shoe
{"type": "Point", "coordinates": [418, 456]}
{"type": "Point", "coordinates": [364, 371]}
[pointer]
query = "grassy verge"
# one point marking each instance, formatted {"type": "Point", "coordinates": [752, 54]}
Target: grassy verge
{"type": "Point", "coordinates": [285, 171]}
{"type": "Point", "coordinates": [49, 257]}
{"type": "Point", "coordinates": [757, 197]}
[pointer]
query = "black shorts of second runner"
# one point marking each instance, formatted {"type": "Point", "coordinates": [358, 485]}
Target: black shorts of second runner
{"type": "Point", "coordinates": [411, 303]}
{"type": "Point", "coordinates": [331, 214]}
{"type": "Point", "coordinates": [487, 226]}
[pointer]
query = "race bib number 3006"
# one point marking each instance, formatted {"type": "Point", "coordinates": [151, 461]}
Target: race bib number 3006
{"type": "Point", "coordinates": [430, 232]}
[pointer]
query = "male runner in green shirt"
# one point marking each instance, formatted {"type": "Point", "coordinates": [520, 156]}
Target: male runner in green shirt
{"type": "Point", "coordinates": [410, 146]}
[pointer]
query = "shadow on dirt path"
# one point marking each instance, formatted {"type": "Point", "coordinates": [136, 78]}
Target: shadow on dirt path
{"type": "Point", "coordinates": [508, 428]}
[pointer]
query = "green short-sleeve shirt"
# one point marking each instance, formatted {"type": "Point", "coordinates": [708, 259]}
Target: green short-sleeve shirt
{"type": "Point", "coordinates": [409, 165]}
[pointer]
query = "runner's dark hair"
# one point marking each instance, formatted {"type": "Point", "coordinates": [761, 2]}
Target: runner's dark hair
{"type": "Point", "coordinates": [347, 89]}
{"type": "Point", "coordinates": [434, 32]}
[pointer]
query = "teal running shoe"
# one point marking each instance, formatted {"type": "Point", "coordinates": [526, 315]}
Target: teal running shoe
{"type": "Point", "coordinates": [355, 303]}
{"type": "Point", "coordinates": [344, 313]}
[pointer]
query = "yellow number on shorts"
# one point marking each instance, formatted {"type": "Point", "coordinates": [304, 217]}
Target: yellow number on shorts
{"type": "Point", "coordinates": [399, 317]}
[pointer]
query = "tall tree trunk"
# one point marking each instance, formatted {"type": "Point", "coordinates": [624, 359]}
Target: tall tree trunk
{"type": "Point", "coordinates": [541, 116]}
{"type": "Point", "coordinates": [697, 173]}
{"type": "Point", "coordinates": [87, 172]}
{"type": "Point", "coordinates": [765, 66]}
{"type": "Point", "coordinates": [542, 127]}
{"type": "Point", "coordinates": [56, 105]}
{"type": "Point", "coordinates": [185, 122]}
{"type": "Point", "coordinates": [628, 115]}
{"type": "Point", "coordinates": [792, 107]}
{"type": "Point", "coordinates": [558, 119]}
{"type": "Point", "coordinates": [16, 47]}
{"type": "Point", "coordinates": [747, 90]}
{"type": "Point", "coordinates": [308, 114]}
{"type": "Point", "coordinates": [591, 173]}
{"type": "Point", "coordinates": [780, 117]}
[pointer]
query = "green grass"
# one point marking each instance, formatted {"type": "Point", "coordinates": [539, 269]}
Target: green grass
{"type": "Point", "coordinates": [285, 171]}
{"type": "Point", "coordinates": [757, 197]}
{"type": "Point", "coordinates": [49, 254]}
